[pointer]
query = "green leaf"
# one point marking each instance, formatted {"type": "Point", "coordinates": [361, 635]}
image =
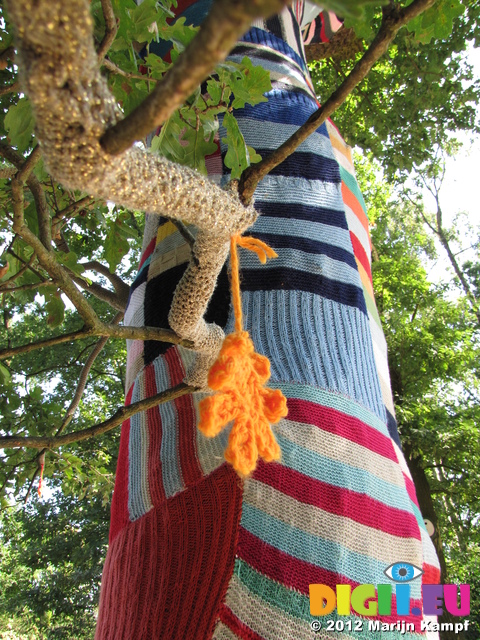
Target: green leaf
{"type": "Point", "coordinates": [437, 22]}
{"type": "Point", "coordinates": [70, 260]}
{"type": "Point", "coordinates": [143, 17]}
{"type": "Point", "coordinates": [364, 25]}
{"type": "Point", "coordinates": [55, 308]}
{"type": "Point", "coordinates": [116, 242]}
{"type": "Point", "coordinates": [184, 144]}
{"type": "Point", "coordinates": [19, 123]}
{"type": "Point", "coordinates": [253, 155]}
{"type": "Point", "coordinates": [179, 33]}
{"type": "Point", "coordinates": [5, 375]}
{"type": "Point", "coordinates": [214, 89]}
{"type": "Point", "coordinates": [236, 158]}
{"type": "Point", "coordinates": [249, 85]}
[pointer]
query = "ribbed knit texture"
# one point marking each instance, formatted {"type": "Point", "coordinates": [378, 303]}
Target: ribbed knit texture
{"type": "Point", "coordinates": [340, 505]}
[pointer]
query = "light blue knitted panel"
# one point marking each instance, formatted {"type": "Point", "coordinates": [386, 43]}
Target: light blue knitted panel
{"type": "Point", "coordinates": [169, 456]}
{"type": "Point", "coordinates": [139, 501]}
{"type": "Point", "coordinates": [292, 327]}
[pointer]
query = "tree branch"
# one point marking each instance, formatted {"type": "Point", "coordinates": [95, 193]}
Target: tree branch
{"type": "Point", "coordinates": [71, 209]}
{"type": "Point", "coordinates": [392, 22]}
{"type": "Point", "coordinates": [110, 297]}
{"type": "Point", "coordinates": [106, 330]}
{"type": "Point", "coordinates": [73, 107]}
{"type": "Point", "coordinates": [226, 22]}
{"type": "Point", "coordinates": [48, 261]}
{"type": "Point", "coordinates": [9, 88]}
{"type": "Point", "coordinates": [108, 64]}
{"type": "Point", "coordinates": [24, 287]}
{"type": "Point", "coordinates": [42, 344]}
{"type": "Point", "coordinates": [121, 288]}
{"type": "Point", "coordinates": [82, 382]}
{"type": "Point", "coordinates": [25, 175]}
{"type": "Point", "coordinates": [53, 442]}
{"type": "Point", "coordinates": [110, 29]}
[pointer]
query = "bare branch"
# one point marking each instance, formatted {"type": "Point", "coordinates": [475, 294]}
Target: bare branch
{"type": "Point", "coordinates": [226, 22]}
{"type": "Point", "coordinates": [121, 288]}
{"type": "Point", "coordinates": [9, 88]}
{"type": "Point", "coordinates": [110, 28]}
{"type": "Point", "coordinates": [142, 333]}
{"type": "Point", "coordinates": [42, 344]}
{"type": "Point", "coordinates": [392, 22]}
{"type": "Point", "coordinates": [107, 330]}
{"type": "Point", "coordinates": [6, 55]}
{"type": "Point", "coordinates": [27, 265]}
{"type": "Point", "coordinates": [108, 64]}
{"type": "Point", "coordinates": [108, 296]}
{"type": "Point", "coordinates": [73, 208]}
{"type": "Point", "coordinates": [24, 287]}
{"type": "Point", "coordinates": [25, 175]}
{"type": "Point", "coordinates": [7, 172]}
{"type": "Point", "coordinates": [53, 442]}
{"type": "Point", "coordinates": [29, 164]}
{"type": "Point", "coordinates": [48, 261]}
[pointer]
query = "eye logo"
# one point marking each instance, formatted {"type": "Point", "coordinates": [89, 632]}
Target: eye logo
{"type": "Point", "coordinates": [402, 572]}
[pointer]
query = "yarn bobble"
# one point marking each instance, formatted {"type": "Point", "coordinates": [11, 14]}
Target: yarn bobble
{"type": "Point", "coordinates": [239, 376]}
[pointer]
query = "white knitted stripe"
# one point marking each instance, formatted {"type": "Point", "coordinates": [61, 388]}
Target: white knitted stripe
{"type": "Point", "coordinates": [341, 449]}
{"type": "Point", "coordinates": [357, 228]}
{"type": "Point", "coordinates": [134, 311]}
{"type": "Point", "coordinates": [361, 539]}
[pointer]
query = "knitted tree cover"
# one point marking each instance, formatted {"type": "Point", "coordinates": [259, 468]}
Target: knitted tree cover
{"type": "Point", "coordinates": [195, 551]}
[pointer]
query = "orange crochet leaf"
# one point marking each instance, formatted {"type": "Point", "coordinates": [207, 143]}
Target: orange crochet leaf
{"type": "Point", "coordinates": [239, 375]}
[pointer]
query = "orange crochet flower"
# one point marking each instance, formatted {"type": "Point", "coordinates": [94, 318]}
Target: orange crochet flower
{"type": "Point", "coordinates": [240, 374]}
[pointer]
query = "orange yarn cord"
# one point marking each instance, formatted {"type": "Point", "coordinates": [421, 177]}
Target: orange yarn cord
{"type": "Point", "coordinates": [240, 374]}
{"type": "Point", "coordinates": [40, 481]}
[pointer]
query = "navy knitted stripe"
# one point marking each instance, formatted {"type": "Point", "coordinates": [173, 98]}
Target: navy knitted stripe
{"type": "Point", "coordinates": [292, 279]}
{"type": "Point", "coordinates": [308, 245]}
{"type": "Point", "coordinates": [259, 36]}
{"type": "Point", "coordinates": [302, 212]}
{"type": "Point", "coordinates": [392, 428]}
{"type": "Point", "coordinates": [242, 50]}
{"type": "Point", "coordinates": [305, 165]}
{"type": "Point", "coordinates": [283, 108]}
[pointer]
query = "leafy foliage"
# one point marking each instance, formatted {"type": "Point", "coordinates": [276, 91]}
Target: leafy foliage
{"type": "Point", "coordinates": [421, 92]}
{"type": "Point", "coordinates": [51, 563]}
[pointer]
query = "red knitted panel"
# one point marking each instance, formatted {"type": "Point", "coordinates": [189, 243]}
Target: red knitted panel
{"type": "Point", "coordinates": [119, 509]}
{"type": "Point", "coordinates": [166, 574]}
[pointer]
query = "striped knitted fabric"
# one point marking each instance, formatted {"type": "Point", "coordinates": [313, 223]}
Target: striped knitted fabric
{"type": "Point", "coordinates": [194, 552]}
